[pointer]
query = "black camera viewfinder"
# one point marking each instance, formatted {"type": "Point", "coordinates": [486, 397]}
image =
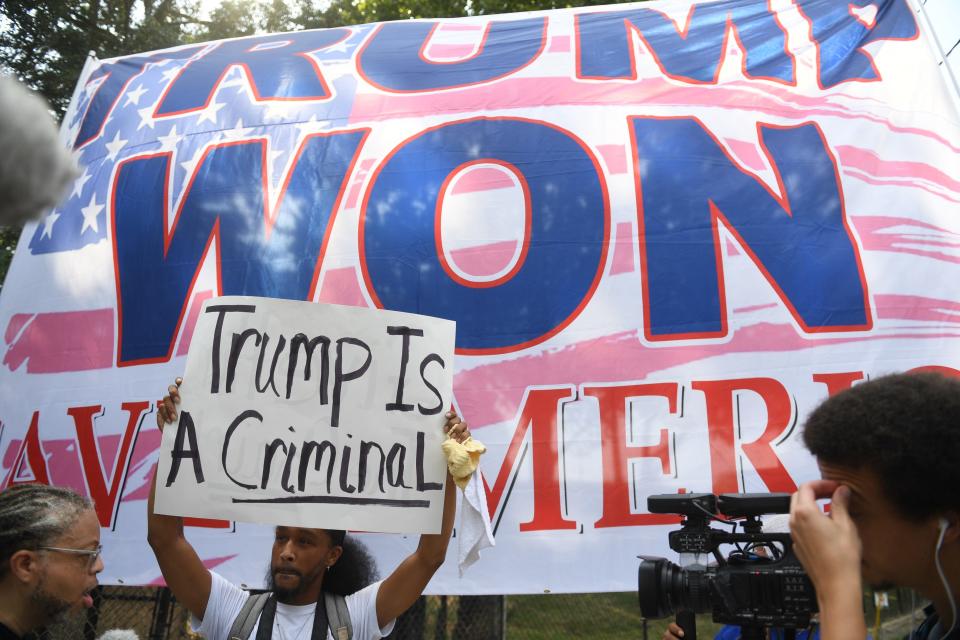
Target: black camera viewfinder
{"type": "Point", "coordinates": [752, 504]}
{"type": "Point", "coordinates": [695, 505]}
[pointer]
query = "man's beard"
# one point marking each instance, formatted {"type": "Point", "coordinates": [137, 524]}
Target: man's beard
{"type": "Point", "coordinates": [48, 608]}
{"type": "Point", "coordinates": [285, 594]}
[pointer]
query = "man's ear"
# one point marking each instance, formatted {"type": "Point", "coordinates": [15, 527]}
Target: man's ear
{"type": "Point", "coordinates": [334, 556]}
{"type": "Point", "coordinates": [25, 566]}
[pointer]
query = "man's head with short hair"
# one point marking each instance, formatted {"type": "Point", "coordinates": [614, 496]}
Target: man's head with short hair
{"type": "Point", "coordinates": [903, 427]}
{"type": "Point", "coordinates": [49, 542]}
{"type": "Point", "coordinates": [893, 444]}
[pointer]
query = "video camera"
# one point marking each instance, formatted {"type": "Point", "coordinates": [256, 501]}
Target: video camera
{"type": "Point", "coordinates": [759, 584]}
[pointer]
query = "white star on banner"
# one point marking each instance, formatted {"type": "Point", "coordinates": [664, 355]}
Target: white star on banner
{"type": "Point", "coordinates": [133, 97]}
{"type": "Point", "coordinates": [48, 223]}
{"type": "Point", "coordinates": [146, 117]}
{"type": "Point", "coordinates": [237, 132]}
{"type": "Point", "coordinates": [90, 213]}
{"type": "Point", "coordinates": [170, 74]}
{"type": "Point", "coordinates": [234, 80]}
{"type": "Point", "coordinates": [339, 47]}
{"type": "Point", "coordinates": [210, 113]}
{"type": "Point", "coordinates": [310, 126]}
{"type": "Point", "coordinates": [169, 142]}
{"type": "Point", "coordinates": [115, 146]}
{"type": "Point", "coordinates": [191, 164]}
{"type": "Point", "coordinates": [79, 182]}
{"type": "Point", "coordinates": [281, 109]}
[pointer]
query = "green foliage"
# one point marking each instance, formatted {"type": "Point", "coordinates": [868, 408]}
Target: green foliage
{"type": "Point", "coordinates": [277, 16]}
{"type": "Point", "coordinates": [8, 243]}
{"type": "Point", "coordinates": [490, 7]}
{"type": "Point", "coordinates": [231, 19]}
{"type": "Point", "coordinates": [598, 616]}
{"type": "Point", "coordinates": [45, 44]}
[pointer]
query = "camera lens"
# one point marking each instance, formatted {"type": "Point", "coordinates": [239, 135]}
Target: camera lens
{"type": "Point", "coordinates": [654, 600]}
{"type": "Point", "coordinates": [663, 588]}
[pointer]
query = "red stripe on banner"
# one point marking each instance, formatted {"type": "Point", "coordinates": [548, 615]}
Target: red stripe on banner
{"type": "Point", "coordinates": [897, 182]}
{"type": "Point", "coordinates": [872, 164]}
{"type": "Point", "coordinates": [450, 51]}
{"type": "Point", "coordinates": [905, 235]}
{"type": "Point", "coordinates": [17, 322]}
{"type": "Point", "coordinates": [486, 259]}
{"type": "Point", "coordinates": [64, 341]}
{"type": "Point", "coordinates": [623, 253]}
{"type": "Point", "coordinates": [615, 157]}
{"type": "Point", "coordinates": [477, 179]}
{"type": "Point", "coordinates": [746, 154]}
{"type": "Point", "coordinates": [357, 185]}
{"type": "Point", "coordinates": [900, 307]}
{"type": "Point", "coordinates": [342, 286]}
{"type": "Point", "coordinates": [191, 322]}
{"type": "Point", "coordinates": [559, 44]}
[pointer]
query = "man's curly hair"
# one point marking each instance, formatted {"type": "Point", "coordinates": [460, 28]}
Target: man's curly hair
{"type": "Point", "coordinates": [905, 428]}
{"type": "Point", "coordinates": [355, 569]}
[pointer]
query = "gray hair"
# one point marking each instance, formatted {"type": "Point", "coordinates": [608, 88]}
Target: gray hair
{"type": "Point", "coordinates": [35, 167]}
{"type": "Point", "coordinates": [34, 515]}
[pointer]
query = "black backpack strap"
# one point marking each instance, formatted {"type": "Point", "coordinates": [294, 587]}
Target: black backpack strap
{"type": "Point", "coordinates": [338, 616]}
{"type": "Point", "coordinates": [243, 624]}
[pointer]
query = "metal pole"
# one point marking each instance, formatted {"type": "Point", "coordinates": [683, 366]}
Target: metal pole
{"type": "Point", "coordinates": [503, 617]}
{"type": "Point", "coordinates": [160, 624]}
{"type": "Point", "coordinates": [947, 68]}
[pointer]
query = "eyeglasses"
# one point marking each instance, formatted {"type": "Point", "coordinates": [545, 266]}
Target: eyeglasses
{"type": "Point", "coordinates": [92, 554]}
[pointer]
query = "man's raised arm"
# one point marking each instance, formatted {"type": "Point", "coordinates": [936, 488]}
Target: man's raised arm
{"type": "Point", "coordinates": [402, 588]}
{"type": "Point", "coordinates": [179, 563]}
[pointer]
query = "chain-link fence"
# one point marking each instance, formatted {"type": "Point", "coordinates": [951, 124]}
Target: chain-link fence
{"type": "Point", "coordinates": [153, 614]}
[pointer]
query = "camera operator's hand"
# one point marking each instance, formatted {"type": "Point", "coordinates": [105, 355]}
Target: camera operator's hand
{"type": "Point", "coordinates": [829, 549]}
{"type": "Point", "coordinates": [673, 632]}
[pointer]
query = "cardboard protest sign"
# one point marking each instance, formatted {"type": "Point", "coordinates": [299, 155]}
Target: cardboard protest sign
{"type": "Point", "coordinates": [311, 415]}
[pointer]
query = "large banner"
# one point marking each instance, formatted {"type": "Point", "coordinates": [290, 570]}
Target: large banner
{"type": "Point", "coordinates": [665, 230]}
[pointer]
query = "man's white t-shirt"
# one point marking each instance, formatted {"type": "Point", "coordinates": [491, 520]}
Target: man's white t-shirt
{"type": "Point", "coordinates": [291, 622]}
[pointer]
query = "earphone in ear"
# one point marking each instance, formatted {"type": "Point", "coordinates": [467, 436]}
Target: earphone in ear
{"type": "Point", "coordinates": [944, 525]}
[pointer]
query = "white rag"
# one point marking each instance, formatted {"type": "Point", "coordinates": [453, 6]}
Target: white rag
{"type": "Point", "coordinates": [475, 532]}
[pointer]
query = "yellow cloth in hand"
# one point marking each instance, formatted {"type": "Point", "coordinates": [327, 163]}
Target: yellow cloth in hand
{"type": "Point", "coordinates": [462, 458]}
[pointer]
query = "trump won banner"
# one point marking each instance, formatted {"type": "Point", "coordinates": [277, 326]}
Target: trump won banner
{"type": "Point", "coordinates": [665, 231]}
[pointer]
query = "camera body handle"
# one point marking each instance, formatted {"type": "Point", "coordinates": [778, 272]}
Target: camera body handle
{"type": "Point", "coordinates": [687, 620]}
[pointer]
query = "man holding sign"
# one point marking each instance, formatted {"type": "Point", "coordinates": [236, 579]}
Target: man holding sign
{"type": "Point", "coordinates": [307, 416]}
{"type": "Point", "coordinates": [300, 559]}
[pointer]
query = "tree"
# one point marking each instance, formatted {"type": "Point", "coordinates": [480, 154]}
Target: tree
{"type": "Point", "coordinates": [46, 44]}
{"type": "Point", "coordinates": [277, 17]}
{"type": "Point", "coordinates": [231, 19]}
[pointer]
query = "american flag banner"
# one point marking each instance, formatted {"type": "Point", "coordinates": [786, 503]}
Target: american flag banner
{"type": "Point", "coordinates": [665, 230]}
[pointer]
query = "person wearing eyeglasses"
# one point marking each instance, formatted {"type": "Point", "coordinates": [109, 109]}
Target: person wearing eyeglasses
{"type": "Point", "coordinates": [49, 557]}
